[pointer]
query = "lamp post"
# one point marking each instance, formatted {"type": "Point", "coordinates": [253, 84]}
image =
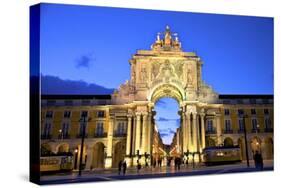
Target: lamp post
{"type": "Point", "coordinates": [245, 137]}
{"type": "Point", "coordinates": [61, 134]}
{"type": "Point", "coordinates": [257, 143]}
{"type": "Point", "coordinates": [75, 162]}
{"type": "Point", "coordinates": [83, 122]}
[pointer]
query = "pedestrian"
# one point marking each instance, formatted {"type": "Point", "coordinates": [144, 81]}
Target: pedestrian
{"type": "Point", "coordinates": [138, 166]}
{"type": "Point", "coordinates": [256, 159]}
{"type": "Point", "coordinates": [124, 167]}
{"type": "Point", "coordinates": [179, 163]}
{"type": "Point", "coordinates": [259, 161]}
{"type": "Point", "coordinates": [154, 163]}
{"type": "Point", "coordinates": [119, 167]}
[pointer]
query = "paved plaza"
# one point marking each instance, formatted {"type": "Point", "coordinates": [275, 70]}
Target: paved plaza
{"type": "Point", "coordinates": [112, 174]}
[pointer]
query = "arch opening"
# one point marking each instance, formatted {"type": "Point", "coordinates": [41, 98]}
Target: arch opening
{"type": "Point", "coordinates": [98, 155]}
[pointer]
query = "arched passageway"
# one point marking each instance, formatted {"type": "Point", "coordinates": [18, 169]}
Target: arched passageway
{"type": "Point", "coordinates": [241, 145]}
{"type": "Point", "coordinates": [98, 155]}
{"type": "Point", "coordinates": [268, 148]}
{"type": "Point", "coordinates": [228, 142]}
{"type": "Point", "coordinates": [62, 148]}
{"type": "Point", "coordinates": [119, 153]}
{"type": "Point", "coordinates": [210, 142]}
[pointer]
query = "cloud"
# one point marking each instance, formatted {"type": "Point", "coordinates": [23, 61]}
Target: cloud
{"type": "Point", "coordinates": [85, 61]}
{"type": "Point", "coordinates": [162, 119]}
{"type": "Point", "coordinates": [164, 135]}
{"type": "Point", "coordinates": [161, 103]}
{"type": "Point", "coordinates": [56, 85]}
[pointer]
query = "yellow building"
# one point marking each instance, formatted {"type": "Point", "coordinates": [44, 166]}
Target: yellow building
{"type": "Point", "coordinates": [121, 126]}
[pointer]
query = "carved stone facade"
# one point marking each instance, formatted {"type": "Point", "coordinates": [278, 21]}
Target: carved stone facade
{"type": "Point", "coordinates": [163, 71]}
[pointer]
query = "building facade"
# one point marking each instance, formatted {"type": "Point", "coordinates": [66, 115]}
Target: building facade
{"type": "Point", "coordinates": [122, 126]}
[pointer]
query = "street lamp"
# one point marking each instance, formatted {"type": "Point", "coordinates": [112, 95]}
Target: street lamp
{"type": "Point", "coordinates": [75, 162]}
{"type": "Point", "coordinates": [245, 137]}
{"type": "Point", "coordinates": [61, 134]}
{"type": "Point", "coordinates": [83, 122]}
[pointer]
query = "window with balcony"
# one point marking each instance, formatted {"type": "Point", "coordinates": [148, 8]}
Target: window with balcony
{"type": "Point", "coordinates": [64, 130]}
{"type": "Point", "coordinates": [254, 125]}
{"type": "Point", "coordinates": [227, 125]}
{"type": "Point", "coordinates": [210, 127]}
{"type": "Point", "coordinates": [121, 129]}
{"type": "Point", "coordinates": [268, 125]}
{"type": "Point", "coordinates": [46, 134]}
{"type": "Point", "coordinates": [241, 125]}
{"type": "Point", "coordinates": [99, 129]}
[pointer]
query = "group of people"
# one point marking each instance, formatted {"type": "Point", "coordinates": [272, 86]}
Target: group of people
{"type": "Point", "coordinates": [258, 160]}
{"type": "Point", "coordinates": [122, 167]}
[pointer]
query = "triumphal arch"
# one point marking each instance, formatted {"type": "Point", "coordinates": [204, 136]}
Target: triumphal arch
{"type": "Point", "coordinates": [121, 126]}
{"type": "Point", "coordinates": [167, 71]}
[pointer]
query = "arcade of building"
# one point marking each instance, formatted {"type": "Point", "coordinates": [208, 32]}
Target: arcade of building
{"type": "Point", "coordinates": [122, 125]}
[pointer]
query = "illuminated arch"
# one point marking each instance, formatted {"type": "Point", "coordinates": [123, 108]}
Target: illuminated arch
{"type": "Point", "coordinates": [166, 90]}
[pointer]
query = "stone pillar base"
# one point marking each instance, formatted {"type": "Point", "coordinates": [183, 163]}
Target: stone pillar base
{"type": "Point", "coordinates": [108, 162]}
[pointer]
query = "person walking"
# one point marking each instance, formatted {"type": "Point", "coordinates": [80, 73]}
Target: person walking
{"type": "Point", "coordinates": [119, 167]}
{"type": "Point", "coordinates": [138, 166]}
{"type": "Point", "coordinates": [179, 163]}
{"type": "Point", "coordinates": [124, 167]}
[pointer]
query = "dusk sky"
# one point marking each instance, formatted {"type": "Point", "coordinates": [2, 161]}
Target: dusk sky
{"type": "Point", "coordinates": [92, 45]}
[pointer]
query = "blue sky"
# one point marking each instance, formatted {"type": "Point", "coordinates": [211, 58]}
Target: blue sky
{"type": "Point", "coordinates": [92, 45]}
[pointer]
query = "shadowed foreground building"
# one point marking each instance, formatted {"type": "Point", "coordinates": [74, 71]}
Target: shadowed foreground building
{"type": "Point", "coordinates": [121, 126]}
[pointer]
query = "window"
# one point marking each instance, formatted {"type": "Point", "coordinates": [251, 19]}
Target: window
{"type": "Point", "coordinates": [100, 114]}
{"type": "Point", "coordinates": [210, 125]}
{"type": "Point", "coordinates": [266, 112]}
{"type": "Point", "coordinates": [99, 129]}
{"type": "Point", "coordinates": [121, 129]}
{"type": "Point", "coordinates": [254, 124]}
{"type": "Point", "coordinates": [253, 111]}
{"type": "Point", "coordinates": [267, 123]}
{"type": "Point", "coordinates": [47, 129]}
{"type": "Point", "coordinates": [240, 112]}
{"type": "Point", "coordinates": [227, 125]}
{"type": "Point", "coordinates": [65, 128]}
{"type": "Point", "coordinates": [226, 112]}
{"type": "Point", "coordinates": [49, 114]}
{"type": "Point", "coordinates": [84, 114]}
{"type": "Point", "coordinates": [66, 114]}
{"type": "Point", "coordinates": [241, 124]}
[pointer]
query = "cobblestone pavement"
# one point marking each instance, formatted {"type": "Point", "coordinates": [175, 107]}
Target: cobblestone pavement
{"type": "Point", "coordinates": [147, 172]}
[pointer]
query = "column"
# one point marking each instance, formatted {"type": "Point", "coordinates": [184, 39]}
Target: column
{"type": "Point", "coordinates": [203, 141]}
{"type": "Point", "coordinates": [219, 131]}
{"type": "Point", "coordinates": [108, 160]}
{"type": "Point", "coordinates": [184, 133]}
{"type": "Point", "coordinates": [189, 131]}
{"type": "Point", "coordinates": [194, 132]}
{"type": "Point", "coordinates": [128, 141]}
{"type": "Point", "coordinates": [149, 135]}
{"type": "Point", "coordinates": [138, 131]}
{"type": "Point", "coordinates": [144, 132]}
